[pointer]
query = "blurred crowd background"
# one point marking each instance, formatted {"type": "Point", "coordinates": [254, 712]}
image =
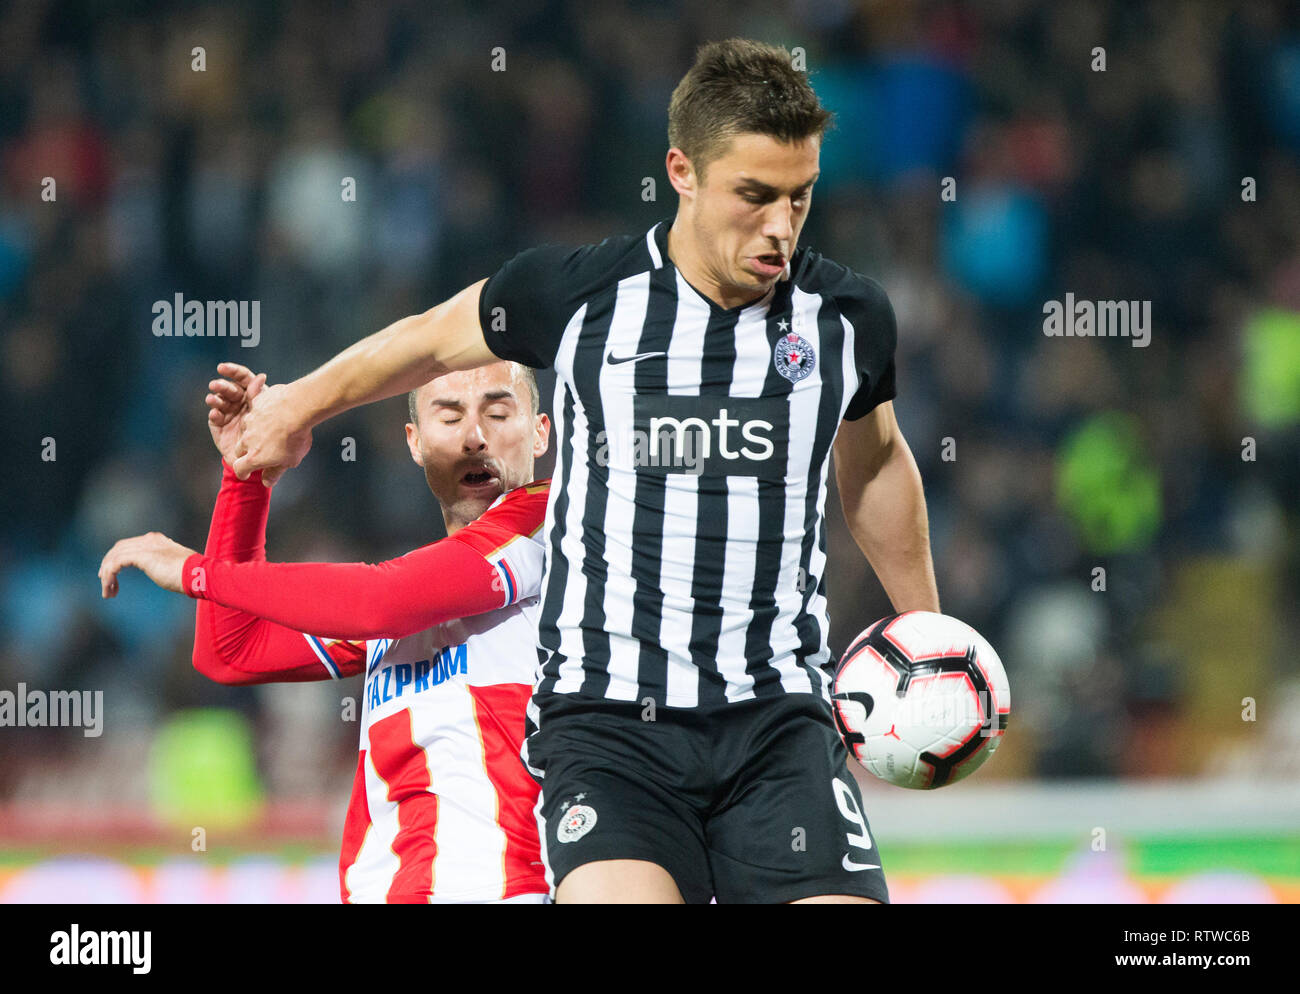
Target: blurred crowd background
{"type": "Point", "coordinates": [1173, 176]}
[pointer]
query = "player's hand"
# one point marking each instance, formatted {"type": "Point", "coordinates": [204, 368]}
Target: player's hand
{"type": "Point", "coordinates": [228, 401]}
{"type": "Point", "coordinates": [154, 554]}
{"type": "Point", "coordinates": [276, 435]}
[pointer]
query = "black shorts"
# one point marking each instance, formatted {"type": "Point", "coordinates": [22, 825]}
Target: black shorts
{"type": "Point", "coordinates": [750, 802]}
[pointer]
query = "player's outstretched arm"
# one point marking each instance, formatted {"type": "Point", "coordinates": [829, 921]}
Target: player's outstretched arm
{"type": "Point", "coordinates": [153, 554]}
{"type": "Point", "coordinates": [230, 646]}
{"type": "Point", "coordinates": [403, 356]}
{"type": "Point", "coordinates": [157, 556]}
{"type": "Point", "coordinates": [457, 577]}
{"type": "Point", "coordinates": [884, 504]}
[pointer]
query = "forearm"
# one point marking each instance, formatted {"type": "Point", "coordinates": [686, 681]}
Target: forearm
{"type": "Point", "coordinates": [432, 585]}
{"type": "Point", "coordinates": [887, 516]}
{"type": "Point", "coordinates": [238, 647]}
{"type": "Point", "coordinates": [244, 649]}
{"type": "Point", "coordinates": [238, 528]}
{"type": "Point", "coordinates": [389, 362]}
{"type": "Point", "coordinates": [405, 355]}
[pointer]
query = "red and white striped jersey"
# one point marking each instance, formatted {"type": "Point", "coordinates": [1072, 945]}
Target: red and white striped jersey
{"type": "Point", "coordinates": [442, 805]}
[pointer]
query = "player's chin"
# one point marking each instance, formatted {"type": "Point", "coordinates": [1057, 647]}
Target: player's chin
{"type": "Point", "coordinates": [475, 498]}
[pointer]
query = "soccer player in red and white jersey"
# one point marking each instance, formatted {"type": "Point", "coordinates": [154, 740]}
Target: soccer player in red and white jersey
{"type": "Point", "coordinates": [441, 806]}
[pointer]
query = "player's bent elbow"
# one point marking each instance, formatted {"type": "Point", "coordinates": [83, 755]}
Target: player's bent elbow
{"type": "Point", "coordinates": [207, 664]}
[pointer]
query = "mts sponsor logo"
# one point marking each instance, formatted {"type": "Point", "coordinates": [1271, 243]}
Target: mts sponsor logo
{"type": "Point", "coordinates": [710, 436]}
{"type": "Point", "coordinates": [397, 679]}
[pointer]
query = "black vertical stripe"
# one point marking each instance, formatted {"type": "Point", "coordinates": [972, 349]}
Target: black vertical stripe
{"type": "Point", "coordinates": [717, 365]}
{"type": "Point", "coordinates": [830, 351]}
{"type": "Point", "coordinates": [648, 515]}
{"type": "Point", "coordinates": [548, 633]}
{"type": "Point", "coordinates": [771, 520]}
{"type": "Point", "coordinates": [588, 359]}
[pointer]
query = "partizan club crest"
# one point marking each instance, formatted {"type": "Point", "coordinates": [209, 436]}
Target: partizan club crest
{"type": "Point", "coordinates": [577, 821]}
{"type": "Point", "coordinates": [794, 357]}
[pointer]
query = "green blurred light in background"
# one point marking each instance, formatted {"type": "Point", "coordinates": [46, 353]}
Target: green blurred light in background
{"type": "Point", "coordinates": [1270, 375]}
{"type": "Point", "coordinates": [203, 771]}
{"type": "Point", "coordinates": [1107, 487]}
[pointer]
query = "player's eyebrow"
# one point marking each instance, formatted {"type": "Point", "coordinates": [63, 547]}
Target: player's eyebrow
{"type": "Point", "coordinates": [767, 190]}
{"type": "Point", "coordinates": [491, 397]}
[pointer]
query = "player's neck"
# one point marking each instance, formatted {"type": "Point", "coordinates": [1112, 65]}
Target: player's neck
{"type": "Point", "coordinates": [683, 252]}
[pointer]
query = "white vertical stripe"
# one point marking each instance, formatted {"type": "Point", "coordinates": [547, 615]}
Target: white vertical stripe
{"type": "Point", "coordinates": [676, 574]}
{"type": "Point", "coordinates": [681, 507]}
{"type": "Point", "coordinates": [617, 384]}
{"type": "Point", "coordinates": [471, 842]}
{"type": "Point", "coordinates": [852, 378]}
{"type": "Point", "coordinates": [749, 373]}
{"type": "Point", "coordinates": [805, 399]}
{"type": "Point", "coordinates": [653, 246]}
{"type": "Point", "coordinates": [371, 874]}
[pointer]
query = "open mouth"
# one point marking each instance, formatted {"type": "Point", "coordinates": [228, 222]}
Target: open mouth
{"type": "Point", "coordinates": [478, 477]}
{"type": "Point", "coordinates": [770, 263]}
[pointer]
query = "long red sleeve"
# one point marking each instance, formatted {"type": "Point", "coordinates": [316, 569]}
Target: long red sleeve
{"type": "Point", "coordinates": [433, 584]}
{"type": "Point", "coordinates": [452, 578]}
{"type": "Point", "coordinates": [235, 647]}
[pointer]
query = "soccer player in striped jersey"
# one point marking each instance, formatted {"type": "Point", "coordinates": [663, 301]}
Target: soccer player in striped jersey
{"type": "Point", "coordinates": [705, 371]}
{"type": "Point", "coordinates": [441, 807]}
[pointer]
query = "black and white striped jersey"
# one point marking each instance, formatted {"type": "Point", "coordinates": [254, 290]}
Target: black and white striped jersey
{"type": "Point", "coordinates": [685, 539]}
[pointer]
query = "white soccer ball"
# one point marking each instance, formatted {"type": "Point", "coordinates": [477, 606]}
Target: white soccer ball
{"type": "Point", "coordinates": [921, 699]}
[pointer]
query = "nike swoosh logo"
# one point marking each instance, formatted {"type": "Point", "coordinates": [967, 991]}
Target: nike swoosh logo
{"type": "Point", "coordinates": [851, 866]}
{"type": "Point", "coordinates": [615, 360]}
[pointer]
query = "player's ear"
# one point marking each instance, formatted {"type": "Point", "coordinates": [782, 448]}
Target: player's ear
{"type": "Point", "coordinates": [681, 173]}
{"type": "Point", "coordinates": [413, 443]}
{"type": "Point", "coordinates": [542, 441]}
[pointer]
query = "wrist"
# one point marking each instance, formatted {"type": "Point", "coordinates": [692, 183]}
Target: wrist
{"type": "Point", "coordinates": [311, 402]}
{"type": "Point", "coordinates": [228, 475]}
{"type": "Point", "coordinates": [194, 577]}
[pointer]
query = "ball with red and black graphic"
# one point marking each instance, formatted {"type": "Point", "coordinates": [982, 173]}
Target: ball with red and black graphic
{"type": "Point", "coordinates": [921, 699]}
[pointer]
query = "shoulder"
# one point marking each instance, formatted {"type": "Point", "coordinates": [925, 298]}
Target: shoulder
{"type": "Point", "coordinates": [529, 495]}
{"type": "Point", "coordinates": [526, 305]}
{"type": "Point", "coordinates": [815, 273]}
{"type": "Point", "coordinates": [521, 511]}
{"type": "Point", "coordinates": [861, 299]}
{"type": "Point", "coordinates": [575, 271]}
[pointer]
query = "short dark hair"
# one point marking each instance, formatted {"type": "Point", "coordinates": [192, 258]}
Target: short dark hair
{"type": "Point", "coordinates": [529, 376]}
{"type": "Point", "coordinates": [739, 87]}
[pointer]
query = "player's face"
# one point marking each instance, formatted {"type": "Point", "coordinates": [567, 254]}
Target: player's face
{"type": "Point", "coordinates": [476, 438]}
{"type": "Point", "coordinates": [750, 208]}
